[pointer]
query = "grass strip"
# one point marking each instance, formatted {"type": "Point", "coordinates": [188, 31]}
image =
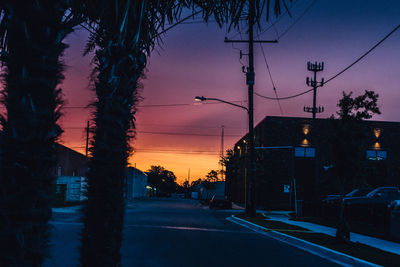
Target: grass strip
{"type": "Point", "coordinates": [356, 250]}
{"type": "Point", "coordinates": [355, 227]}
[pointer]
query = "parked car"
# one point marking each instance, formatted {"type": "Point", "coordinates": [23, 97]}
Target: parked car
{"type": "Point", "coordinates": [378, 195]}
{"type": "Point", "coordinates": [220, 202]}
{"type": "Point", "coordinates": [373, 206]}
{"type": "Point", "coordinates": [395, 205]}
{"type": "Point", "coordinates": [336, 199]}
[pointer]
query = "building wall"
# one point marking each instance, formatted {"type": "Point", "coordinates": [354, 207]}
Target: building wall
{"type": "Point", "coordinates": [136, 182]}
{"type": "Point", "coordinates": [75, 187]}
{"type": "Point", "coordinates": [276, 167]}
{"type": "Point", "coordinates": [70, 162]}
{"type": "Point", "coordinates": [71, 171]}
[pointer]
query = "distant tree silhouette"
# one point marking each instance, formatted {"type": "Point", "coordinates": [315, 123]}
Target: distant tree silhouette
{"type": "Point", "coordinates": [31, 44]}
{"type": "Point", "coordinates": [164, 180]}
{"type": "Point", "coordinates": [212, 176]}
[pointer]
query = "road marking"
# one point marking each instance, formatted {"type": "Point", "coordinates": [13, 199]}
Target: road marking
{"type": "Point", "coordinates": [187, 228]}
{"type": "Point", "coordinates": [184, 228]}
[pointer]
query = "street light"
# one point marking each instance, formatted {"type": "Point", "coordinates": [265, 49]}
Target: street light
{"type": "Point", "coordinates": [251, 193]}
{"type": "Point", "coordinates": [202, 98]}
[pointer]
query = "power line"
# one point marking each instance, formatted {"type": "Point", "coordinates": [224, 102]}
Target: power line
{"type": "Point", "coordinates": [188, 134]}
{"type": "Point", "coordinates": [177, 23]}
{"type": "Point", "coordinates": [364, 55]}
{"type": "Point", "coordinates": [270, 76]}
{"type": "Point", "coordinates": [165, 133]}
{"type": "Point", "coordinates": [186, 126]}
{"type": "Point", "coordinates": [141, 150]}
{"type": "Point", "coordinates": [159, 105]}
{"type": "Point", "coordinates": [298, 19]}
{"type": "Point", "coordinates": [276, 21]}
{"type": "Point", "coordinates": [336, 75]}
{"type": "Point", "coordinates": [166, 126]}
{"type": "Point", "coordinates": [152, 150]}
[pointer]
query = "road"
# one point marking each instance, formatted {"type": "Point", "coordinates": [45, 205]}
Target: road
{"type": "Point", "coordinates": [180, 232]}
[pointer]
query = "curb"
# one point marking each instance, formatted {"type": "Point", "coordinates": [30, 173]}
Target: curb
{"type": "Point", "coordinates": [326, 253]}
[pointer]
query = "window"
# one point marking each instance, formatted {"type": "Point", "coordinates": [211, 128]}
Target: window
{"type": "Point", "coordinates": [304, 152]}
{"type": "Point", "coordinates": [376, 154]}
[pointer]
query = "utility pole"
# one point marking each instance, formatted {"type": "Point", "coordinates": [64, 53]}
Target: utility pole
{"type": "Point", "coordinates": [87, 139]}
{"type": "Point", "coordinates": [316, 67]}
{"type": "Point", "coordinates": [222, 152]}
{"type": "Point", "coordinates": [250, 80]}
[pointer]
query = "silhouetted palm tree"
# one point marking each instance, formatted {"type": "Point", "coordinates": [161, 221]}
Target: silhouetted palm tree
{"type": "Point", "coordinates": [31, 43]}
{"type": "Point", "coordinates": [124, 34]}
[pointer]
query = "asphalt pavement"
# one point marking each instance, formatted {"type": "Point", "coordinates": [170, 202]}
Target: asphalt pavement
{"type": "Point", "coordinates": [180, 232]}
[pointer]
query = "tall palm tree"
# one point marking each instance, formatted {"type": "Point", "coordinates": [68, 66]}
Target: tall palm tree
{"type": "Point", "coordinates": [123, 36]}
{"type": "Point", "coordinates": [31, 43]}
{"type": "Point", "coordinates": [124, 33]}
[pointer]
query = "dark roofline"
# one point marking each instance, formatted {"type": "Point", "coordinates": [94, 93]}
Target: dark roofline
{"type": "Point", "coordinates": [71, 150]}
{"type": "Point", "coordinates": [320, 119]}
{"type": "Point", "coordinates": [309, 119]}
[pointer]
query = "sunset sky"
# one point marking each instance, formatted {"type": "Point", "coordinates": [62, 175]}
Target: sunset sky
{"type": "Point", "coordinates": [194, 60]}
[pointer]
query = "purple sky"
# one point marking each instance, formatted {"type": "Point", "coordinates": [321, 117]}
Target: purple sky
{"type": "Point", "coordinates": [194, 60]}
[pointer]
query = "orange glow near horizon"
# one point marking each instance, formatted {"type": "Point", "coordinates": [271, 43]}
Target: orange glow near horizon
{"type": "Point", "coordinates": [177, 162]}
{"type": "Point", "coordinates": [199, 164]}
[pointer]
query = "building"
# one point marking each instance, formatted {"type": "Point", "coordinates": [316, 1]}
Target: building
{"type": "Point", "coordinates": [71, 170]}
{"type": "Point", "coordinates": [207, 192]}
{"type": "Point", "coordinates": [295, 160]}
{"type": "Point", "coordinates": [70, 162]}
{"type": "Point", "coordinates": [135, 184]}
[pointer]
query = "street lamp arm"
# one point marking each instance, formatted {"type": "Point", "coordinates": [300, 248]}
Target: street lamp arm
{"type": "Point", "coordinates": [229, 103]}
{"type": "Point", "coordinates": [202, 98]}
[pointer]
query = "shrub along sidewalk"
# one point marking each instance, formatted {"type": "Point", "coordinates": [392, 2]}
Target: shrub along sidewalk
{"type": "Point", "coordinates": [357, 250]}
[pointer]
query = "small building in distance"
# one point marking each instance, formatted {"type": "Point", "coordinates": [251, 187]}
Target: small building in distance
{"type": "Point", "coordinates": [135, 184]}
{"type": "Point", "coordinates": [205, 191]}
{"type": "Point", "coordinates": [297, 154]}
{"type": "Point", "coordinates": [71, 171]}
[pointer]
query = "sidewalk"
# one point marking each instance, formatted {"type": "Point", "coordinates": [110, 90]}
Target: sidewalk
{"type": "Point", "coordinates": [69, 209]}
{"type": "Point", "coordinates": [388, 246]}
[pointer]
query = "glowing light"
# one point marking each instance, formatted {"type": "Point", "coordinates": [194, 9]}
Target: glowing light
{"type": "Point", "coordinates": [377, 145]}
{"type": "Point", "coordinates": [306, 129]}
{"type": "Point", "coordinates": [305, 142]}
{"type": "Point", "coordinates": [377, 132]}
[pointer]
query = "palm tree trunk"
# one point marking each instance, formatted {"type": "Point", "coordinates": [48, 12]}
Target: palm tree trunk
{"type": "Point", "coordinates": [118, 72]}
{"type": "Point", "coordinates": [31, 55]}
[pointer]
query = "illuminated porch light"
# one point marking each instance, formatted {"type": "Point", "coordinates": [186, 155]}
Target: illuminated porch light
{"type": "Point", "coordinates": [377, 132]}
{"type": "Point", "coordinates": [306, 129]}
{"type": "Point", "coordinates": [305, 142]}
{"type": "Point", "coordinates": [377, 145]}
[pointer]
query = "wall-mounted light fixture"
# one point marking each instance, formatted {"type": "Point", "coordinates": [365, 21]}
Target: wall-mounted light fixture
{"type": "Point", "coordinates": [377, 132]}
{"type": "Point", "coordinates": [305, 142]}
{"type": "Point", "coordinates": [306, 129]}
{"type": "Point", "coordinates": [377, 146]}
